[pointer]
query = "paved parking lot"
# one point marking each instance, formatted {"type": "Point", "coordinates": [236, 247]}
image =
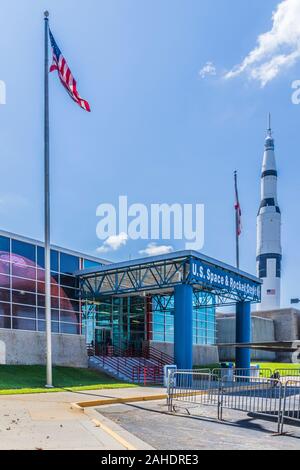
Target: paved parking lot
{"type": "Point", "coordinates": [240, 431]}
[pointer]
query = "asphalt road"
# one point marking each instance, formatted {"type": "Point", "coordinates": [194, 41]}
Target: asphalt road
{"type": "Point", "coordinates": [240, 431]}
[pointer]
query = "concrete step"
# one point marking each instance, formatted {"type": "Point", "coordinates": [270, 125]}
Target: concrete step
{"type": "Point", "coordinates": [96, 365]}
{"type": "Point", "coordinates": [129, 363]}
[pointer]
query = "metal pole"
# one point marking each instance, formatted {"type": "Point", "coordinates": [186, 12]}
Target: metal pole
{"type": "Point", "coordinates": [237, 246]}
{"type": "Point", "coordinates": [236, 224]}
{"type": "Point", "coordinates": [49, 383]}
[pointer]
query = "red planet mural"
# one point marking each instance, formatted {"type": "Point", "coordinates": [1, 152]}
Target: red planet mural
{"type": "Point", "coordinates": [29, 277]}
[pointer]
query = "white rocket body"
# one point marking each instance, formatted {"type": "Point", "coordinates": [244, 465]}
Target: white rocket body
{"type": "Point", "coordinates": [269, 252]}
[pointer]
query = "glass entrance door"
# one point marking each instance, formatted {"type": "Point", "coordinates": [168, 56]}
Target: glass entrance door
{"type": "Point", "coordinates": [103, 340]}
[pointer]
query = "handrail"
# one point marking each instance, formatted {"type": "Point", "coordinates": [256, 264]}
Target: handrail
{"type": "Point", "coordinates": [117, 362]}
{"type": "Point", "coordinates": [90, 348]}
{"type": "Point", "coordinates": [154, 353]}
{"type": "Point", "coordinates": [119, 352]}
{"type": "Point", "coordinates": [147, 352]}
{"type": "Point", "coordinates": [151, 375]}
{"type": "Point", "coordinates": [149, 362]}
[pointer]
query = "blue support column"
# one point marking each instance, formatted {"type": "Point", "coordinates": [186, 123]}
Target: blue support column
{"type": "Point", "coordinates": [243, 334]}
{"type": "Point", "coordinates": [183, 326]}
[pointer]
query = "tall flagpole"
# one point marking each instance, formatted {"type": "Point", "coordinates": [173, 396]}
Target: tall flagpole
{"type": "Point", "coordinates": [237, 222]}
{"type": "Point", "coordinates": [49, 382]}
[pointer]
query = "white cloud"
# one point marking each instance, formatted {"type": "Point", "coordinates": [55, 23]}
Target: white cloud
{"type": "Point", "coordinates": [207, 70]}
{"type": "Point", "coordinates": [276, 49]}
{"type": "Point", "coordinates": [113, 243]}
{"type": "Point", "coordinates": [154, 249]}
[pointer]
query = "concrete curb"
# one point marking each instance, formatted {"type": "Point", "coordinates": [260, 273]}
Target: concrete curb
{"type": "Point", "coordinates": [126, 439]}
{"type": "Point", "coordinates": [116, 401]}
{"type": "Point", "coordinates": [123, 437]}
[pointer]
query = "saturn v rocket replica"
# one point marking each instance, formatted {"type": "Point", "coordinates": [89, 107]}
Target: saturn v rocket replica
{"type": "Point", "coordinates": [269, 253]}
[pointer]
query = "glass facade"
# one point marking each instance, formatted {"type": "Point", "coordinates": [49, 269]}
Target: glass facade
{"type": "Point", "coordinates": [128, 321]}
{"type": "Point", "coordinates": [120, 319]}
{"type": "Point", "coordinates": [119, 322]}
{"type": "Point", "coordinates": [162, 320]}
{"type": "Point", "coordinates": [22, 287]}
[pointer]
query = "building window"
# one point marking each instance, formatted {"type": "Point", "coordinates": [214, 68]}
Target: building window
{"type": "Point", "coordinates": [5, 295]}
{"type": "Point", "coordinates": [90, 264]}
{"type": "Point", "coordinates": [54, 260]}
{"type": "Point", "coordinates": [24, 311]}
{"type": "Point", "coordinates": [68, 293]}
{"type": "Point", "coordinates": [70, 305]}
{"type": "Point", "coordinates": [55, 327]}
{"type": "Point", "coordinates": [21, 297]}
{"type": "Point", "coordinates": [26, 250]}
{"type": "Point", "coordinates": [68, 263]}
{"type": "Point", "coordinates": [5, 322]}
{"type": "Point", "coordinates": [69, 317]}
{"type": "Point", "coordinates": [4, 244]}
{"type": "Point", "coordinates": [40, 257]}
{"type": "Point", "coordinates": [69, 328]}
{"type": "Point", "coordinates": [27, 285]}
{"type": "Point", "coordinates": [4, 281]}
{"type": "Point", "coordinates": [4, 263]}
{"type": "Point", "coordinates": [68, 281]}
{"type": "Point", "coordinates": [23, 324]}
{"type": "Point", "coordinates": [4, 309]}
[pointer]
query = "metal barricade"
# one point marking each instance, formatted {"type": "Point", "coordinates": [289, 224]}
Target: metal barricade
{"type": "Point", "coordinates": [256, 395]}
{"type": "Point", "coordinates": [265, 397]}
{"type": "Point", "coordinates": [172, 380]}
{"type": "Point", "coordinates": [252, 372]}
{"type": "Point", "coordinates": [192, 388]}
{"type": "Point", "coordinates": [287, 374]}
{"type": "Point", "coordinates": [291, 403]}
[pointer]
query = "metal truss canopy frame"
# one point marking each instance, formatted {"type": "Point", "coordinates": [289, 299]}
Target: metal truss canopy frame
{"type": "Point", "coordinates": [159, 275]}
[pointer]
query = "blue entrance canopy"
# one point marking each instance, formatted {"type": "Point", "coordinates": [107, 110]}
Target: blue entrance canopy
{"type": "Point", "coordinates": [183, 274]}
{"type": "Point", "coordinates": [161, 274]}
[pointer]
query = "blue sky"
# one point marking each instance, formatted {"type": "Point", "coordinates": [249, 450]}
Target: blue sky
{"type": "Point", "coordinates": [158, 132]}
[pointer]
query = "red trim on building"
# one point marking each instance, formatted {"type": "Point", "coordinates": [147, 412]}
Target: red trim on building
{"type": "Point", "coordinates": [149, 334]}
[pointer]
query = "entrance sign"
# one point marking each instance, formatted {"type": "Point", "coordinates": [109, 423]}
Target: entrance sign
{"type": "Point", "coordinates": [215, 277]}
{"type": "Point", "coordinates": [164, 272]}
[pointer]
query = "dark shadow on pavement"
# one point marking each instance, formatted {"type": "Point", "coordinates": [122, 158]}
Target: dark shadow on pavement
{"type": "Point", "coordinates": [247, 423]}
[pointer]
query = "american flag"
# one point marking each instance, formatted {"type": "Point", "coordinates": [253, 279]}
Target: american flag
{"type": "Point", "coordinates": [271, 292]}
{"type": "Point", "coordinates": [237, 208]}
{"type": "Point", "coordinates": [65, 75]}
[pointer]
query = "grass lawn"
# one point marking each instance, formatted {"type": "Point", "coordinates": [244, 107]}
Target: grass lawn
{"type": "Point", "coordinates": [263, 365]}
{"type": "Point", "coordinates": [31, 379]}
{"type": "Point", "coordinates": [278, 365]}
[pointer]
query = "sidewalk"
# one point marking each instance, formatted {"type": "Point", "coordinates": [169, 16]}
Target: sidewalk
{"type": "Point", "coordinates": [48, 420]}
